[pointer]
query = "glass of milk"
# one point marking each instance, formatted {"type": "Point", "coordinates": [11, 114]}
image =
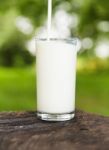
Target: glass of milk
{"type": "Point", "coordinates": [56, 76]}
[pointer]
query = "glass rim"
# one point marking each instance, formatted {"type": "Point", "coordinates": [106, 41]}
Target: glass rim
{"type": "Point", "coordinates": [73, 40]}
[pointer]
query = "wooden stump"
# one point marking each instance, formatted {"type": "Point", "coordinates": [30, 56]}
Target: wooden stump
{"type": "Point", "coordinates": [23, 131]}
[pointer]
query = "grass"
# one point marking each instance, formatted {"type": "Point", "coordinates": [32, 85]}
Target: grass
{"type": "Point", "coordinates": [17, 91]}
{"type": "Point", "coordinates": [93, 93]}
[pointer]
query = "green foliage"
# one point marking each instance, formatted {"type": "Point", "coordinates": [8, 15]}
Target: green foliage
{"type": "Point", "coordinates": [7, 27]}
{"type": "Point", "coordinates": [12, 42]}
{"type": "Point", "coordinates": [14, 53]}
{"type": "Point", "coordinates": [89, 12]}
{"type": "Point", "coordinates": [34, 9]}
{"type": "Point", "coordinates": [6, 5]}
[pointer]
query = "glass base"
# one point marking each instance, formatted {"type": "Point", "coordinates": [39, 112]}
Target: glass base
{"type": "Point", "coordinates": [55, 117]}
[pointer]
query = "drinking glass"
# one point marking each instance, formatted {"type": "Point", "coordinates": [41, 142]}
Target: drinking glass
{"type": "Point", "coordinates": [56, 76]}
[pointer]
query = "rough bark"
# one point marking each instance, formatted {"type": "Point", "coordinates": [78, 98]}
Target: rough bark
{"type": "Point", "coordinates": [23, 131]}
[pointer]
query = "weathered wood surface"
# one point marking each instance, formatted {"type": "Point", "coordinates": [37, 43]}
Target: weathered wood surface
{"type": "Point", "coordinates": [23, 131]}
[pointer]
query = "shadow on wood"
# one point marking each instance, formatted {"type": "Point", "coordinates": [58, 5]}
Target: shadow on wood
{"type": "Point", "coordinates": [23, 131]}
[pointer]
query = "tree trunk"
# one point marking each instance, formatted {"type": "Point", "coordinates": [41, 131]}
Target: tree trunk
{"type": "Point", "coordinates": [23, 131]}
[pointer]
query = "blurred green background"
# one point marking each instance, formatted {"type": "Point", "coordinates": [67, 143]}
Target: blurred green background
{"type": "Point", "coordinates": [22, 20]}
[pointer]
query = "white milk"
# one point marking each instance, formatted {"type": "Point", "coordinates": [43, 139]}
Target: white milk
{"type": "Point", "coordinates": [56, 70]}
